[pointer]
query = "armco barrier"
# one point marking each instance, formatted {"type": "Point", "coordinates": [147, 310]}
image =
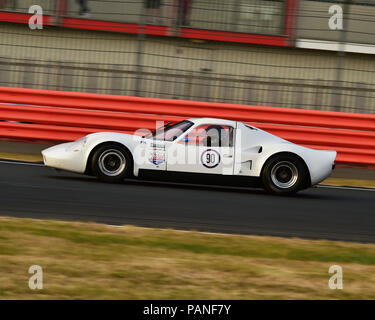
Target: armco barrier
{"type": "Point", "coordinates": [182, 108]}
{"type": "Point", "coordinates": [62, 116]}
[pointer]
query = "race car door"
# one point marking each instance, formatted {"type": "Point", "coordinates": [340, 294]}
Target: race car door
{"type": "Point", "coordinates": [152, 151]}
{"type": "Point", "coordinates": [207, 148]}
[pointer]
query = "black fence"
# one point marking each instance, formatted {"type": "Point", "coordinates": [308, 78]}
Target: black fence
{"type": "Point", "coordinates": [171, 67]}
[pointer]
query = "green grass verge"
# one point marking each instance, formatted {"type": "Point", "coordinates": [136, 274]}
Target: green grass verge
{"type": "Point", "coordinates": [21, 157]}
{"type": "Point", "coordinates": [349, 182]}
{"type": "Point", "coordinates": [93, 261]}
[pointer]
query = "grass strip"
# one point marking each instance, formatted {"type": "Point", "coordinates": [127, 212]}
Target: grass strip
{"type": "Point", "coordinates": [343, 182]}
{"type": "Point", "coordinates": [21, 157]}
{"type": "Point", "coordinates": [95, 261]}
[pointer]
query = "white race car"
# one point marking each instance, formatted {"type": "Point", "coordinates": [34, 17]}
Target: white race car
{"type": "Point", "coordinates": [203, 147]}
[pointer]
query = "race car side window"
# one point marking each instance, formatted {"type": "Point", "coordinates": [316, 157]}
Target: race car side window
{"type": "Point", "coordinates": [210, 135]}
{"type": "Point", "coordinates": [171, 132]}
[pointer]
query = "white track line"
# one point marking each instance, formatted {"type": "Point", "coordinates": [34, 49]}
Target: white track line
{"type": "Point", "coordinates": [346, 188]}
{"type": "Point", "coordinates": [178, 230]}
{"type": "Point", "coordinates": [22, 163]}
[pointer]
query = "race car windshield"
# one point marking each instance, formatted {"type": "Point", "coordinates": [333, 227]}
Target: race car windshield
{"type": "Point", "coordinates": [171, 132]}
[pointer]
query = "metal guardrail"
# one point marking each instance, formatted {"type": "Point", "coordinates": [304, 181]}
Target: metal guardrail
{"type": "Point", "coordinates": [63, 116]}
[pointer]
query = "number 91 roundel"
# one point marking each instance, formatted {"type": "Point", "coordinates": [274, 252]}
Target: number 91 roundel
{"type": "Point", "coordinates": [210, 158]}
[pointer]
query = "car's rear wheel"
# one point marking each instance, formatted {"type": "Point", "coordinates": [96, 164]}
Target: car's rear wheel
{"type": "Point", "coordinates": [284, 174]}
{"type": "Point", "coordinates": [111, 163]}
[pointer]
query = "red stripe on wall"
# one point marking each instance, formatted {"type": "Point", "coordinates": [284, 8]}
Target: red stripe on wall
{"type": "Point", "coordinates": [21, 17]}
{"type": "Point", "coordinates": [122, 27]}
{"type": "Point", "coordinates": [113, 26]}
{"type": "Point", "coordinates": [234, 37]}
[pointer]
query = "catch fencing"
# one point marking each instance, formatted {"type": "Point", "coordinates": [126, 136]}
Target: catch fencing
{"type": "Point", "coordinates": [252, 52]}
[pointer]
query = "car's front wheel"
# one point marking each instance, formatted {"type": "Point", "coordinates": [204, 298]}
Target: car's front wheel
{"type": "Point", "coordinates": [284, 174]}
{"type": "Point", "coordinates": [111, 163]}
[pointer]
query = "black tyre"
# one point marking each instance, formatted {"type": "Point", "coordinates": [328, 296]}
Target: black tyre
{"type": "Point", "coordinates": [112, 163]}
{"type": "Point", "coordinates": [284, 174]}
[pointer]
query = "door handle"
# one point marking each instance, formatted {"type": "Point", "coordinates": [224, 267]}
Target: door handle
{"type": "Point", "coordinates": [227, 156]}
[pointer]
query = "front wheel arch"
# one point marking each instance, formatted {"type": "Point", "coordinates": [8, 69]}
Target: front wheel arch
{"type": "Point", "coordinates": [88, 170]}
{"type": "Point", "coordinates": [307, 171]}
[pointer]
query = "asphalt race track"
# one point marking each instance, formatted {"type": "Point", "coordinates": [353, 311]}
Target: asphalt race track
{"type": "Point", "coordinates": [326, 213]}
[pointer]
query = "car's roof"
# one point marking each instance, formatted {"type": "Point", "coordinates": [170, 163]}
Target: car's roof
{"type": "Point", "coordinates": [213, 121]}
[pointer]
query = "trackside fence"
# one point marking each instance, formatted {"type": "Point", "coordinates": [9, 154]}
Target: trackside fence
{"type": "Point", "coordinates": [57, 116]}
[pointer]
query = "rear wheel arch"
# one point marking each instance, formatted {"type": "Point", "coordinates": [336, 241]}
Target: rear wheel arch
{"type": "Point", "coordinates": [88, 170]}
{"type": "Point", "coordinates": [307, 182]}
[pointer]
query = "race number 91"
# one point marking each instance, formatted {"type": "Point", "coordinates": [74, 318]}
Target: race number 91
{"type": "Point", "coordinates": [210, 158]}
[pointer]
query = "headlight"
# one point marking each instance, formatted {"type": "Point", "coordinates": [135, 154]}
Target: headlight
{"type": "Point", "coordinates": [82, 140]}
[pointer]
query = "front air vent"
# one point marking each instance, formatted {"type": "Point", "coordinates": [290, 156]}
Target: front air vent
{"type": "Point", "coordinates": [260, 149]}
